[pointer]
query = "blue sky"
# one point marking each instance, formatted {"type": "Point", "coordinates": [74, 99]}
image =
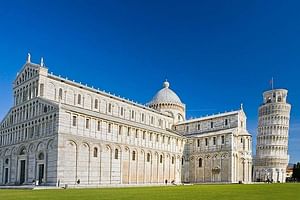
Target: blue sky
{"type": "Point", "coordinates": [215, 54]}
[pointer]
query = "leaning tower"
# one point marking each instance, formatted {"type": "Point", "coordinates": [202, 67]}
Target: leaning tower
{"type": "Point", "coordinates": [272, 137]}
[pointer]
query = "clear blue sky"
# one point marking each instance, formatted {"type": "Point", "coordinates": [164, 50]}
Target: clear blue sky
{"type": "Point", "coordinates": [216, 54]}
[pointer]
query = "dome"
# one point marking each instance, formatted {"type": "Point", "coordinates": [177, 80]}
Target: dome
{"type": "Point", "coordinates": [165, 95]}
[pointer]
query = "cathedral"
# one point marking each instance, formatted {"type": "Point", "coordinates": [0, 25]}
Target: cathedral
{"type": "Point", "coordinates": [60, 132]}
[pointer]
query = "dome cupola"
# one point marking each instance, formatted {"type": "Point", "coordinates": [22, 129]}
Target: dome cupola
{"type": "Point", "coordinates": [168, 102]}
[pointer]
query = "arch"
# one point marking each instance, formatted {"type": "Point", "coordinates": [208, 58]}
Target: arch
{"type": "Point", "coordinates": [50, 144]}
{"type": "Point", "coordinates": [40, 146]}
{"type": "Point", "coordinates": [22, 150]}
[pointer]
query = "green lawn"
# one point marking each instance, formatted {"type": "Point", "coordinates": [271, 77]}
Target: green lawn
{"type": "Point", "coordinates": [203, 192]}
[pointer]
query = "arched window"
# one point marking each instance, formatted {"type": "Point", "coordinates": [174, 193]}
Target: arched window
{"type": "Point", "coordinates": [96, 104]}
{"type": "Point", "coordinates": [79, 99]}
{"type": "Point", "coordinates": [109, 107]}
{"type": "Point", "coordinates": [152, 120]}
{"type": "Point", "coordinates": [160, 158]}
{"type": "Point", "coordinates": [23, 151]}
{"type": "Point", "coordinates": [148, 157]}
{"type": "Point", "coordinates": [116, 153]}
{"type": "Point", "coordinates": [95, 152]}
{"type": "Point", "coordinates": [122, 111]}
{"type": "Point", "coordinates": [41, 156]}
{"type": "Point", "coordinates": [45, 109]}
{"type": "Point", "coordinates": [60, 94]}
{"type": "Point", "coordinates": [133, 155]}
{"type": "Point", "coordinates": [200, 162]}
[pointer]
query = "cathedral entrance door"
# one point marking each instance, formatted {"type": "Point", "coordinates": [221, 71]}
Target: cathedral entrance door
{"type": "Point", "coordinates": [22, 171]}
{"type": "Point", "coordinates": [41, 173]}
{"type": "Point", "coordinates": [6, 176]}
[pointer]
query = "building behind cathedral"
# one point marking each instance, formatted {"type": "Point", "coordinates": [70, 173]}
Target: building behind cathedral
{"type": "Point", "coordinates": [61, 132]}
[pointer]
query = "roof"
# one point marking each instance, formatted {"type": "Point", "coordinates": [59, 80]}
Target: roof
{"type": "Point", "coordinates": [165, 95]}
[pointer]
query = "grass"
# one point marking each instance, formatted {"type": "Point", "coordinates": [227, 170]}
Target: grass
{"type": "Point", "coordinates": [202, 192]}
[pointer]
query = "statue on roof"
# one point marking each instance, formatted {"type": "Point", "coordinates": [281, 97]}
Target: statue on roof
{"type": "Point", "coordinates": [28, 58]}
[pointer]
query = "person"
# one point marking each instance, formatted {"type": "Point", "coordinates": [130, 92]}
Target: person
{"type": "Point", "coordinates": [166, 181]}
{"type": "Point", "coordinates": [173, 182]}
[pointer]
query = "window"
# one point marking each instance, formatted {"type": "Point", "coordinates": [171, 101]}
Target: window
{"type": "Point", "coordinates": [160, 158]}
{"type": "Point", "coordinates": [128, 131]}
{"type": "Point", "coordinates": [206, 141]}
{"type": "Point", "coordinates": [211, 124]}
{"type": "Point", "coordinates": [152, 120]}
{"type": "Point", "coordinates": [120, 130]}
{"type": "Point", "coordinates": [226, 122]}
{"type": "Point", "coordinates": [160, 122]}
{"type": "Point", "coordinates": [144, 133]}
{"type": "Point", "coordinates": [214, 140]}
{"type": "Point", "coordinates": [241, 140]}
{"type": "Point", "coordinates": [179, 117]}
{"type": "Point", "coordinates": [109, 128]}
{"type": "Point", "coordinates": [79, 99]}
{"type": "Point", "coordinates": [136, 133]}
{"type": "Point", "coordinates": [173, 159]}
{"type": "Point", "coordinates": [242, 124]}
{"type": "Point", "coordinates": [223, 139]}
{"type": "Point", "coordinates": [279, 99]}
{"type": "Point", "coordinates": [148, 157]}
{"type": "Point", "coordinates": [150, 138]}
{"type": "Point", "coordinates": [74, 121]}
{"type": "Point", "coordinates": [182, 161]}
{"type": "Point", "coordinates": [187, 128]}
{"type": "Point", "coordinates": [45, 109]}
{"type": "Point", "coordinates": [198, 143]}
{"type": "Point", "coordinates": [95, 152]}
{"type": "Point", "coordinates": [87, 123]}
{"type": "Point", "coordinates": [41, 156]}
{"type": "Point", "coordinates": [109, 107]}
{"type": "Point", "coordinates": [98, 126]}
{"type": "Point", "coordinates": [132, 114]}
{"type": "Point", "coordinates": [41, 89]}
{"type": "Point", "coordinates": [143, 117]}
{"type": "Point", "coordinates": [199, 126]}
{"type": "Point", "coordinates": [133, 155]}
{"type": "Point", "coordinates": [96, 104]}
{"type": "Point", "coordinates": [60, 94]}
{"type": "Point", "coordinates": [200, 162]}
{"type": "Point", "coordinates": [122, 111]}
{"type": "Point", "coordinates": [116, 153]}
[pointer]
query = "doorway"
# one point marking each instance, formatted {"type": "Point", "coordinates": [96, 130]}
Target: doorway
{"type": "Point", "coordinates": [6, 176]}
{"type": "Point", "coordinates": [22, 171]}
{"type": "Point", "coordinates": [41, 173]}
